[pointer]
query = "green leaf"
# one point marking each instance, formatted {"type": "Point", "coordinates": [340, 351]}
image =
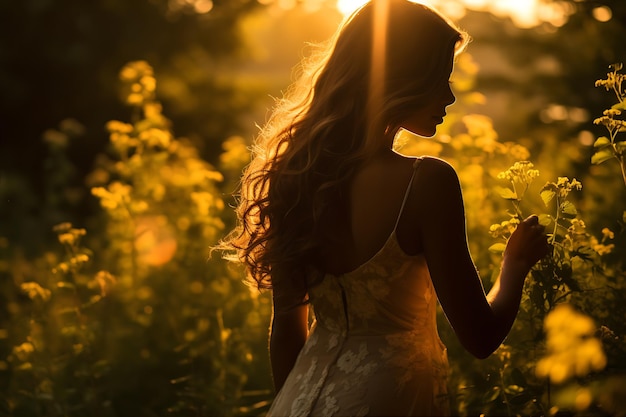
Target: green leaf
{"type": "Point", "coordinates": [619, 106]}
{"type": "Point", "coordinates": [584, 252]}
{"type": "Point", "coordinates": [568, 209]}
{"type": "Point", "coordinates": [601, 142]}
{"type": "Point", "coordinates": [507, 193]}
{"type": "Point", "coordinates": [492, 394]}
{"type": "Point", "coordinates": [621, 146]}
{"type": "Point", "coordinates": [545, 219]}
{"type": "Point", "coordinates": [497, 248]}
{"type": "Point", "coordinates": [547, 195]}
{"type": "Point", "coordinates": [514, 389]}
{"type": "Point", "coordinates": [602, 155]}
{"type": "Point", "coordinates": [566, 274]}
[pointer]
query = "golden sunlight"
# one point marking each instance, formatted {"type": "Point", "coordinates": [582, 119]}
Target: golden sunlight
{"type": "Point", "coordinates": [524, 13]}
{"type": "Point", "coordinates": [348, 6]}
{"type": "Point", "coordinates": [155, 242]}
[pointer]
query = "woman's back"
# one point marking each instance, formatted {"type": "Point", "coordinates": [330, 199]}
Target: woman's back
{"type": "Point", "coordinates": [374, 347]}
{"type": "Point", "coordinates": [364, 222]}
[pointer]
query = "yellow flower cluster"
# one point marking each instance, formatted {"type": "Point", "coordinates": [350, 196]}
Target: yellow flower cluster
{"type": "Point", "coordinates": [156, 137]}
{"type": "Point", "coordinates": [573, 350]}
{"type": "Point", "coordinates": [140, 76]}
{"type": "Point", "coordinates": [205, 202]}
{"type": "Point", "coordinates": [23, 351]}
{"type": "Point", "coordinates": [115, 126]}
{"type": "Point", "coordinates": [104, 280]}
{"type": "Point", "coordinates": [609, 120]}
{"type": "Point", "coordinates": [35, 291]}
{"type": "Point", "coordinates": [117, 195]}
{"type": "Point", "coordinates": [236, 153]}
{"type": "Point", "coordinates": [521, 172]}
{"type": "Point", "coordinates": [614, 79]}
{"type": "Point", "coordinates": [606, 148]}
{"type": "Point", "coordinates": [602, 247]}
{"type": "Point", "coordinates": [564, 185]}
{"type": "Point", "coordinates": [504, 229]}
{"type": "Point", "coordinates": [71, 265]}
{"type": "Point", "coordinates": [67, 234]}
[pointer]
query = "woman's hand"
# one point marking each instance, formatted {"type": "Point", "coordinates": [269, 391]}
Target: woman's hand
{"type": "Point", "coordinates": [527, 245]}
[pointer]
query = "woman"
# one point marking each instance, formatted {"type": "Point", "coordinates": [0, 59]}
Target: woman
{"type": "Point", "coordinates": [331, 217]}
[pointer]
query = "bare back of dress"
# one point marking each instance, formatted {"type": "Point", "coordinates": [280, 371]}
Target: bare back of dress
{"type": "Point", "coordinates": [374, 347]}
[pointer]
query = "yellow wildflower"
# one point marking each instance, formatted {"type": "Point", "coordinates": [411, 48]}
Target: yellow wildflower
{"type": "Point", "coordinates": [23, 351]}
{"type": "Point", "coordinates": [104, 280]}
{"type": "Point", "coordinates": [607, 234]}
{"type": "Point", "coordinates": [119, 127]}
{"type": "Point", "coordinates": [572, 348]}
{"type": "Point", "coordinates": [35, 291]}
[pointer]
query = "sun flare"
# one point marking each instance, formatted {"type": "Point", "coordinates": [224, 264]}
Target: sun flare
{"type": "Point", "coordinates": [524, 13]}
{"type": "Point", "coordinates": [348, 6]}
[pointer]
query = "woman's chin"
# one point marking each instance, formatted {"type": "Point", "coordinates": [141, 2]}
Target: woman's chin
{"type": "Point", "coordinates": [427, 133]}
{"type": "Point", "coordinates": [423, 131]}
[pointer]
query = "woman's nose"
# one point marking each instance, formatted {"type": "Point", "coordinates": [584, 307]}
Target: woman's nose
{"type": "Point", "coordinates": [449, 97]}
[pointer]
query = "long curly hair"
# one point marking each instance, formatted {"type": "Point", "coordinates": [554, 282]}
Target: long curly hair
{"type": "Point", "coordinates": [382, 64]}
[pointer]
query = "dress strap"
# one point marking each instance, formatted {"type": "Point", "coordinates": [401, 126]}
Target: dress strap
{"type": "Point", "coordinates": [408, 190]}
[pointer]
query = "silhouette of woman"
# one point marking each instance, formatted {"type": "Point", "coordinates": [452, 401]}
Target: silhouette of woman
{"type": "Point", "coordinates": [331, 217]}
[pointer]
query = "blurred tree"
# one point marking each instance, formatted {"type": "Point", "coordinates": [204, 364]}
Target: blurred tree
{"type": "Point", "coordinates": [540, 79]}
{"type": "Point", "coordinates": [140, 323]}
{"type": "Point", "coordinates": [539, 88]}
{"type": "Point", "coordinates": [59, 59]}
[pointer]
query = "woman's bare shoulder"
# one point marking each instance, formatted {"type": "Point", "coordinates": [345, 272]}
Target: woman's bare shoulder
{"type": "Point", "coordinates": [435, 173]}
{"type": "Point", "coordinates": [437, 189]}
{"type": "Point", "coordinates": [436, 163]}
{"type": "Point", "coordinates": [434, 191]}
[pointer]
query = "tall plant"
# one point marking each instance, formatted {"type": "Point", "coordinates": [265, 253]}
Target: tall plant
{"type": "Point", "coordinates": [142, 322]}
{"type": "Point", "coordinates": [613, 145]}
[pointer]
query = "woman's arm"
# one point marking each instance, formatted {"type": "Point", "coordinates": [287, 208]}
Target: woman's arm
{"type": "Point", "coordinates": [288, 333]}
{"type": "Point", "coordinates": [480, 322]}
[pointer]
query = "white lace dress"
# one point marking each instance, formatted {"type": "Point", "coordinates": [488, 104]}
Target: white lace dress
{"type": "Point", "coordinates": [373, 349]}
